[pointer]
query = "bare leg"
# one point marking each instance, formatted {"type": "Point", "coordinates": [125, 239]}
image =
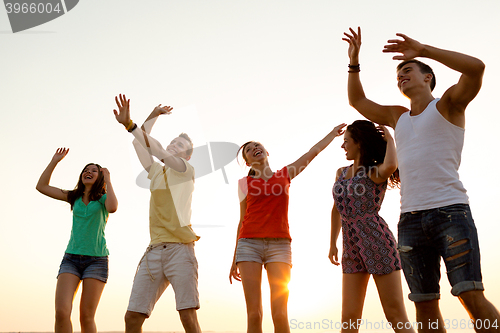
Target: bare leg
{"type": "Point", "coordinates": [134, 321]}
{"type": "Point", "coordinates": [278, 274]}
{"type": "Point", "coordinates": [251, 278]}
{"type": "Point", "coordinates": [353, 298]}
{"type": "Point", "coordinates": [391, 296]}
{"type": "Point", "coordinates": [67, 286]}
{"type": "Point", "coordinates": [189, 321]}
{"type": "Point", "coordinates": [428, 314]}
{"type": "Point", "coordinates": [481, 310]}
{"type": "Point", "coordinates": [91, 294]}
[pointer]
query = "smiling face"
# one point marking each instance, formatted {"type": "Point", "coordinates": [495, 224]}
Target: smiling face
{"type": "Point", "coordinates": [179, 147]}
{"type": "Point", "coordinates": [90, 174]}
{"type": "Point", "coordinates": [413, 74]}
{"type": "Point", "coordinates": [352, 148]}
{"type": "Point", "coordinates": [254, 152]}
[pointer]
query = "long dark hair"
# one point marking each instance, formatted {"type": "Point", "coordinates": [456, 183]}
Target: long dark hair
{"type": "Point", "coordinates": [372, 146]}
{"type": "Point", "coordinates": [96, 192]}
{"type": "Point", "coordinates": [251, 172]}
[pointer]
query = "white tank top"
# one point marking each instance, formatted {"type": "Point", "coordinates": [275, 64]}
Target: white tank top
{"type": "Point", "coordinates": [429, 150]}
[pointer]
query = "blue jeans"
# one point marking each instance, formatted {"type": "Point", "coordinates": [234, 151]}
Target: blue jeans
{"type": "Point", "coordinates": [85, 266]}
{"type": "Point", "coordinates": [426, 236]}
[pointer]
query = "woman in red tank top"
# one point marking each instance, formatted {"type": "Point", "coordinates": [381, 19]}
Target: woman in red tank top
{"type": "Point", "coordinates": [263, 237]}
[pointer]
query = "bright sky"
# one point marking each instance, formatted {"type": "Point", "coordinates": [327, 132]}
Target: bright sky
{"type": "Point", "coordinates": [273, 71]}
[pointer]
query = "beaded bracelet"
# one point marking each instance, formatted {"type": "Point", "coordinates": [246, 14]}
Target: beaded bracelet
{"type": "Point", "coordinates": [353, 68]}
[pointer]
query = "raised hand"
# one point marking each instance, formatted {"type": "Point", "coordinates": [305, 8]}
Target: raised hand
{"type": "Point", "coordinates": [123, 113]}
{"type": "Point", "coordinates": [354, 40]}
{"type": "Point", "coordinates": [106, 175]}
{"type": "Point", "coordinates": [408, 47]}
{"type": "Point", "coordinates": [386, 134]}
{"type": "Point", "coordinates": [60, 154]}
{"type": "Point", "coordinates": [338, 130]}
{"type": "Point", "coordinates": [159, 110]}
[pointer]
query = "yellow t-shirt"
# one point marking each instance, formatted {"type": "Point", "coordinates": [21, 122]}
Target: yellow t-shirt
{"type": "Point", "coordinates": [170, 204]}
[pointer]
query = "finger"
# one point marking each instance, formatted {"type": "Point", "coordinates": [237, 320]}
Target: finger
{"type": "Point", "coordinates": [402, 35]}
{"type": "Point", "coordinates": [394, 41]}
{"type": "Point", "coordinates": [117, 102]}
{"type": "Point", "coordinates": [359, 33]}
{"type": "Point", "coordinates": [348, 36]}
{"type": "Point", "coordinates": [390, 50]}
{"type": "Point", "coordinates": [353, 32]}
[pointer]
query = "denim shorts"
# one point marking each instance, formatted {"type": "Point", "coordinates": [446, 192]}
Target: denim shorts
{"type": "Point", "coordinates": [426, 236]}
{"type": "Point", "coordinates": [85, 267]}
{"type": "Point", "coordinates": [264, 250]}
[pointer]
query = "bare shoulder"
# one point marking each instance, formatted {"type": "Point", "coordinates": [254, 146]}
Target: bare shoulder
{"type": "Point", "coordinates": [396, 112]}
{"type": "Point", "coordinates": [453, 112]}
{"type": "Point", "coordinates": [339, 172]}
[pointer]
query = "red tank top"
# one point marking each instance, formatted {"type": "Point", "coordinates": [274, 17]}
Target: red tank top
{"type": "Point", "coordinates": [267, 206]}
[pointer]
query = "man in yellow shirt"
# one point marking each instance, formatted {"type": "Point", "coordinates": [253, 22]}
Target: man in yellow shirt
{"type": "Point", "coordinates": [169, 258]}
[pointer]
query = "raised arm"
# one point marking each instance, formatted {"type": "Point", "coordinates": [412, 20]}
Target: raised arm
{"type": "Point", "coordinates": [144, 139]}
{"type": "Point", "coordinates": [111, 202]}
{"type": "Point", "coordinates": [390, 163]}
{"type": "Point", "coordinates": [151, 120]}
{"type": "Point", "coordinates": [145, 156]}
{"type": "Point", "coordinates": [457, 97]}
{"type": "Point", "coordinates": [43, 183]}
{"type": "Point", "coordinates": [299, 165]}
{"type": "Point", "coordinates": [386, 115]}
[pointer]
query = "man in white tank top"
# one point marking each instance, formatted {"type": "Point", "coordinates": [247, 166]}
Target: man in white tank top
{"type": "Point", "coordinates": [435, 216]}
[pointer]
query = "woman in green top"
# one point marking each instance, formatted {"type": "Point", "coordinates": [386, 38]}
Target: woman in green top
{"type": "Point", "coordinates": [86, 257]}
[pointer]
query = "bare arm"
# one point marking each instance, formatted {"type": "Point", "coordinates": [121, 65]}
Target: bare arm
{"type": "Point", "coordinates": [152, 145]}
{"type": "Point", "coordinates": [111, 202]}
{"type": "Point", "coordinates": [299, 165]}
{"type": "Point", "coordinates": [386, 115]}
{"type": "Point", "coordinates": [385, 169]}
{"type": "Point", "coordinates": [43, 183]}
{"type": "Point", "coordinates": [335, 230]}
{"type": "Point", "coordinates": [234, 273]}
{"type": "Point", "coordinates": [336, 225]}
{"type": "Point", "coordinates": [457, 97]}
{"type": "Point", "coordinates": [157, 111]}
{"type": "Point", "coordinates": [144, 155]}
{"type": "Point", "coordinates": [144, 139]}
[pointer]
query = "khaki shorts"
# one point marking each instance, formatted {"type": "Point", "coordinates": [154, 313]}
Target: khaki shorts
{"type": "Point", "coordinates": [161, 265]}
